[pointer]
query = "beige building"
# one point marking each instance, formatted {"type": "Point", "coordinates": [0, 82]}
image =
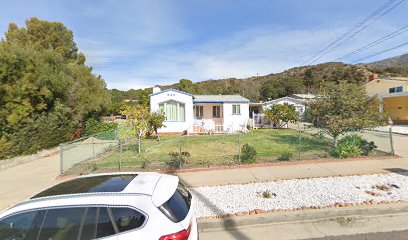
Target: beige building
{"type": "Point", "coordinates": [393, 94]}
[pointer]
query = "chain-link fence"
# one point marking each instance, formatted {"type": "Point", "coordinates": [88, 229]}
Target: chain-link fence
{"type": "Point", "coordinates": [86, 148]}
{"type": "Point", "coordinates": [120, 151]}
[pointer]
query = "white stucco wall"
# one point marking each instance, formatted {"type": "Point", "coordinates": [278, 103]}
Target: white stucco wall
{"type": "Point", "coordinates": [235, 122]}
{"type": "Point", "coordinates": [164, 96]}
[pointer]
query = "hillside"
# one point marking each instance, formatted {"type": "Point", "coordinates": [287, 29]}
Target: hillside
{"type": "Point", "coordinates": [392, 62]}
{"type": "Point", "coordinates": [305, 79]}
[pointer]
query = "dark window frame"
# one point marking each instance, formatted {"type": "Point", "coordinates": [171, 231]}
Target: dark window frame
{"type": "Point", "coordinates": [44, 210]}
{"type": "Point", "coordinates": [234, 109]}
{"type": "Point", "coordinates": [199, 112]}
{"type": "Point", "coordinates": [396, 89]}
{"type": "Point", "coordinates": [216, 111]}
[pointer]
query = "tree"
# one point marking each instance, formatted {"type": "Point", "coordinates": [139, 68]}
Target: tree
{"type": "Point", "coordinates": [45, 35]}
{"type": "Point", "coordinates": [155, 121]}
{"type": "Point", "coordinates": [277, 88]}
{"type": "Point", "coordinates": [345, 107]}
{"type": "Point", "coordinates": [44, 93]}
{"type": "Point", "coordinates": [137, 117]}
{"type": "Point", "coordinates": [282, 114]}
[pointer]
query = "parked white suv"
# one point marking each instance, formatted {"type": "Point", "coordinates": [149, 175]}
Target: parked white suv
{"type": "Point", "coordinates": [105, 206]}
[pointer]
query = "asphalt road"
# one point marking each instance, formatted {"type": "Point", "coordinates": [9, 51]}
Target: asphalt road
{"type": "Point", "coordinates": [370, 236]}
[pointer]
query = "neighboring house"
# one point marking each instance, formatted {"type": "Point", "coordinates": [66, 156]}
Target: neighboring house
{"type": "Point", "coordinates": [393, 94]}
{"type": "Point", "coordinates": [300, 104]}
{"type": "Point", "coordinates": [305, 97]}
{"type": "Point", "coordinates": [200, 113]}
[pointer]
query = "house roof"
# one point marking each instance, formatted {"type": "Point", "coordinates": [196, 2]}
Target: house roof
{"type": "Point", "coordinates": [287, 99]}
{"type": "Point", "coordinates": [305, 96]}
{"type": "Point", "coordinates": [219, 98]}
{"type": "Point", "coordinates": [170, 89]}
{"type": "Point", "coordinates": [403, 79]}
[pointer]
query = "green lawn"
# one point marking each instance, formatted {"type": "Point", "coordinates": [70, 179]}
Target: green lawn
{"type": "Point", "coordinates": [214, 150]}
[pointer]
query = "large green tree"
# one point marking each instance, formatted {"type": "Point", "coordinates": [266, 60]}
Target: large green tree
{"type": "Point", "coordinates": [345, 107]}
{"type": "Point", "coordinates": [277, 88]}
{"type": "Point", "coordinates": [45, 92]}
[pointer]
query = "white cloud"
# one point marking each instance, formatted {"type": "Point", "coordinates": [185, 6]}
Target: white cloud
{"type": "Point", "coordinates": [247, 53]}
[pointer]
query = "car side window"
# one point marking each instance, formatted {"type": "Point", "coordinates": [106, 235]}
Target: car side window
{"type": "Point", "coordinates": [104, 227]}
{"type": "Point", "coordinates": [17, 226]}
{"type": "Point", "coordinates": [127, 218]}
{"type": "Point", "coordinates": [89, 224]}
{"type": "Point", "coordinates": [60, 224]}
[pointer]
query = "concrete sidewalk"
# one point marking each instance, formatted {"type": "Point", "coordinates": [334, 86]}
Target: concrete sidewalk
{"type": "Point", "coordinates": [298, 170]}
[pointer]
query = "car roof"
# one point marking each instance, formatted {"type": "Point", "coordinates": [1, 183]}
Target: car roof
{"type": "Point", "coordinates": [103, 186]}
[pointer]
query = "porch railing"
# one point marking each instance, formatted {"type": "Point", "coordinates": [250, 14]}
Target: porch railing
{"type": "Point", "coordinates": [196, 128]}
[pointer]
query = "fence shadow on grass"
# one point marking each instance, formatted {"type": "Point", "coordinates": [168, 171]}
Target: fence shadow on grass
{"type": "Point", "coordinates": [304, 143]}
{"type": "Point", "coordinates": [229, 225]}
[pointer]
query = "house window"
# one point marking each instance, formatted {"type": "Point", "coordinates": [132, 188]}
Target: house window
{"type": "Point", "coordinates": [199, 111]}
{"type": "Point", "coordinates": [173, 111]}
{"type": "Point", "coordinates": [216, 111]}
{"type": "Point", "coordinates": [236, 109]}
{"type": "Point", "coordinates": [395, 89]}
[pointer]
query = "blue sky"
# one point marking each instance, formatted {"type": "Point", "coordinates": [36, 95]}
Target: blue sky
{"type": "Point", "coordinates": [137, 44]}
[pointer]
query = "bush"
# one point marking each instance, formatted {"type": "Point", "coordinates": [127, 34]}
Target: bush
{"type": "Point", "coordinates": [285, 156]}
{"type": "Point", "coordinates": [353, 146]}
{"type": "Point", "coordinates": [176, 161]}
{"type": "Point", "coordinates": [94, 125]}
{"type": "Point", "coordinates": [248, 154]}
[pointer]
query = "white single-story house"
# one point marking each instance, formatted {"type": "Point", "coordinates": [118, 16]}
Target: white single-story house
{"type": "Point", "coordinates": [300, 104]}
{"type": "Point", "coordinates": [200, 113]}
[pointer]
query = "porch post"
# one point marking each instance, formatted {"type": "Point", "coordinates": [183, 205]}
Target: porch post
{"type": "Point", "coordinates": [381, 104]}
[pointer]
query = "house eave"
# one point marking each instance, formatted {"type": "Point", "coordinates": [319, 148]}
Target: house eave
{"type": "Point", "coordinates": [173, 90]}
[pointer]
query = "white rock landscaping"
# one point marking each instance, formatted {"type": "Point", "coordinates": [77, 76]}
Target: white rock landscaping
{"type": "Point", "coordinates": [295, 194]}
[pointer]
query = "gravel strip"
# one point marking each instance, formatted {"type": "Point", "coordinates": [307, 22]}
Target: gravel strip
{"type": "Point", "coordinates": [299, 193]}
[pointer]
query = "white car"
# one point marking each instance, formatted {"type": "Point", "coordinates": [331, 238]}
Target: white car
{"type": "Point", "coordinates": [105, 206]}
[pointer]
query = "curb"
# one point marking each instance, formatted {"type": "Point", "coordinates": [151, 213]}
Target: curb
{"type": "Point", "coordinates": [334, 160]}
{"type": "Point", "coordinates": [303, 215]}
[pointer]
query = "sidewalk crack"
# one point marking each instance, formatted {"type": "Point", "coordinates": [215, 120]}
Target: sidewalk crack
{"type": "Point", "coordinates": [253, 175]}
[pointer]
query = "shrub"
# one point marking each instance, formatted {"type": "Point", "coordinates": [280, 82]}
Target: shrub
{"type": "Point", "coordinates": [266, 194]}
{"type": "Point", "coordinates": [176, 161]}
{"type": "Point", "coordinates": [285, 156]}
{"type": "Point", "coordinates": [94, 125]}
{"type": "Point", "coordinates": [248, 154]}
{"type": "Point", "coordinates": [353, 146]}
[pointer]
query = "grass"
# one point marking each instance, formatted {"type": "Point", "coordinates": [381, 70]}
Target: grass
{"type": "Point", "coordinates": [214, 150]}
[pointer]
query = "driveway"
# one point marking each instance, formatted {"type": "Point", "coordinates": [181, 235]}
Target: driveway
{"type": "Point", "coordinates": [22, 181]}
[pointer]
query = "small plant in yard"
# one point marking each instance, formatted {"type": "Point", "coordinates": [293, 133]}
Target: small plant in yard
{"type": "Point", "coordinates": [266, 194]}
{"type": "Point", "coordinates": [285, 156]}
{"type": "Point", "coordinates": [248, 154]}
{"type": "Point", "coordinates": [353, 146]}
{"type": "Point", "coordinates": [176, 161]}
{"type": "Point", "coordinates": [145, 163]}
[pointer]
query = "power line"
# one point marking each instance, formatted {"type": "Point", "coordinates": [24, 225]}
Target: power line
{"type": "Point", "coordinates": [358, 31]}
{"type": "Point", "coordinates": [381, 52]}
{"type": "Point", "coordinates": [374, 43]}
{"type": "Point", "coordinates": [355, 29]}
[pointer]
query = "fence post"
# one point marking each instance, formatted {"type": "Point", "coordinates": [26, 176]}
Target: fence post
{"type": "Point", "coordinates": [120, 155]}
{"type": "Point", "coordinates": [239, 149]}
{"type": "Point", "coordinates": [181, 157]}
{"type": "Point", "coordinates": [61, 159]}
{"type": "Point", "coordinates": [93, 146]}
{"type": "Point", "coordinates": [300, 138]}
{"type": "Point", "coordinates": [391, 141]}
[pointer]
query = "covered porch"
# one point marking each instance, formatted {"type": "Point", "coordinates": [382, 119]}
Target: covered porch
{"type": "Point", "coordinates": [208, 118]}
{"type": "Point", "coordinates": [395, 105]}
